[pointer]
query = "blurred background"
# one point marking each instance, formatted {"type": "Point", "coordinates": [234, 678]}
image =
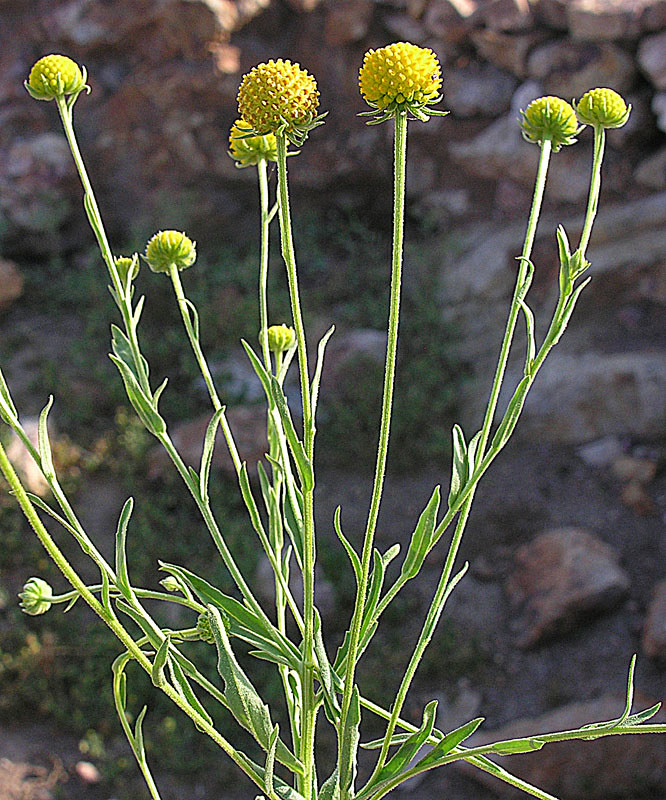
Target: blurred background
{"type": "Point", "coordinates": [566, 543]}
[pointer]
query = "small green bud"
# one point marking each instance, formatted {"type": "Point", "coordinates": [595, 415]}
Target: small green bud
{"type": "Point", "coordinates": [170, 247]}
{"type": "Point", "coordinates": [36, 597]}
{"type": "Point", "coordinates": [549, 118]}
{"type": "Point", "coordinates": [604, 108]}
{"type": "Point", "coordinates": [170, 583]}
{"type": "Point", "coordinates": [280, 338]}
{"type": "Point", "coordinates": [248, 150]}
{"type": "Point", "coordinates": [204, 629]}
{"type": "Point", "coordinates": [55, 76]}
{"type": "Point", "coordinates": [127, 267]}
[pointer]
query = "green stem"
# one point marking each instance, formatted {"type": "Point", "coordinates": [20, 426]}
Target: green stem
{"type": "Point", "coordinates": [400, 157]}
{"type": "Point", "coordinates": [263, 264]}
{"type": "Point", "coordinates": [309, 708]}
{"type": "Point", "coordinates": [595, 186]}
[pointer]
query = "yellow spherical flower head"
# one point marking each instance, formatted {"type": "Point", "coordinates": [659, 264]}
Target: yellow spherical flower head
{"type": "Point", "coordinates": [170, 247]}
{"type": "Point", "coordinates": [248, 150]}
{"type": "Point", "coordinates": [603, 108]}
{"type": "Point", "coordinates": [55, 76]}
{"type": "Point", "coordinates": [401, 76]}
{"type": "Point", "coordinates": [279, 95]}
{"type": "Point", "coordinates": [280, 338]}
{"type": "Point", "coordinates": [550, 118]}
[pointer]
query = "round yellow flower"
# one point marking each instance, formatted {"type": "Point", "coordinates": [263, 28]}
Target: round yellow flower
{"type": "Point", "coordinates": [276, 93]}
{"type": "Point", "coordinates": [603, 107]}
{"type": "Point", "coordinates": [398, 75]}
{"type": "Point", "coordinates": [248, 150]}
{"type": "Point", "coordinates": [53, 76]}
{"type": "Point", "coordinates": [550, 118]}
{"type": "Point", "coordinates": [170, 247]}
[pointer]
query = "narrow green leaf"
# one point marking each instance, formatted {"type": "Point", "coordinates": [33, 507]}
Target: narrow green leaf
{"type": "Point", "coordinates": [349, 745]}
{"type": "Point", "coordinates": [194, 316]}
{"type": "Point", "coordinates": [450, 741]}
{"type": "Point", "coordinates": [141, 404]}
{"type": "Point", "coordinates": [8, 410]}
{"type": "Point", "coordinates": [138, 734]}
{"type": "Point", "coordinates": [515, 746]}
{"type": "Point", "coordinates": [353, 557]}
{"type": "Point", "coordinates": [186, 690]}
{"type": "Point", "coordinates": [158, 392]}
{"type": "Point", "coordinates": [374, 592]}
{"type": "Point", "coordinates": [122, 576]}
{"type": "Point", "coordinates": [157, 673]}
{"type": "Point", "coordinates": [568, 311]}
{"type": "Point", "coordinates": [325, 671]}
{"type": "Point", "coordinates": [207, 454]}
{"type": "Point", "coordinates": [259, 368]}
{"type": "Point", "coordinates": [459, 462]}
{"type": "Point", "coordinates": [270, 760]}
{"type": "Point", "coordinates": [471, 453]}
{"type": "Point", "coordinates": [392, 553]}
{"type": "Point", "coordinates": [314, 389]}
{"type": "Point", "coordinates": [303, 464]}
{"type": "Point", "coordinates": [531, 341]}
{"type": "Point", "coordinates": [44, 446]}
{"type": "Point", "coordinates": [419, 544]}
{"type": "Point", "coordinates": [138, 309]}
{"type": "Point", "coordinates": [511, 415]}
{"type": "Point", "coordinates": [330, 788]}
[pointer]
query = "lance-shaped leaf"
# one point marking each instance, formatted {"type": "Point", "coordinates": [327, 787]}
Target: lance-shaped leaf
{"type": "Point", "coordinates": [8, 410]}
{"type": "Point", "coordinates": [314, 389]}
{"type": "Point", "coordinates": [450, 741]}
{"type": "Point", "coordinates": [157, 674]}
{"type": "Point", "coordinates": [122, 576]}
{"type": "Point", "coordinates": [141, 404]}
{"type": "Point", "coordinates": [459, 464]}
{"type": "Point", "coordinates": [44, 445]}
{"type": "Point", "coordinates": [325, 673]}
{"type": "Point", "coordinates": [207, 454]}
{"type": "Point", "coordinates": [353, 555]}
{"type": "Point", "coordinates": [259, 368]}
{"type": "Point", "coordinates": [419, 545]}
{"type": "Point", "coordinates": [511, 415]}
{"type": "Point", "coordinates": [303, 464]}
{"type": "Point", "coordinates": [330, 788]}
{"type": "Point", "coordinates": [245, 703]}
{"type": "Point", "coordinates": [568, 310]}
{"type": "Point", "coordinates": [349, 738]}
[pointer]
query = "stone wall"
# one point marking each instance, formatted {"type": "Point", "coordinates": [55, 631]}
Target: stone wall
{"type": "Point", "coordinates": [164, 75]}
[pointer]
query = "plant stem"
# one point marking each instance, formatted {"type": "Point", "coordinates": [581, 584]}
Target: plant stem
{"type": "Point", "coordinates": [309, 709]}
{"type": "Point", "coordinates": [263, 264]}
{"type": "Point", "coordinates": [595, 186]}
{"type": "Point", "coordinates": [400, 157]}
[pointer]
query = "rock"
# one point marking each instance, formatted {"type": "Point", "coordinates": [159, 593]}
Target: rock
{"type": "Point", "coordinates": [640, 125]}
{"type": "Point", "coordinates": [630, 468]}
{"type": "Point", "coordinates": [524, 95]}
{"type": "Point", "coordinates": [601, 452]}
{"type": "Point", "coordinates": [500, 152]}
{"type": "Point", "coordinates": [11, 283]}
{"type": "Point", "coordinates": [449, 20]}
{"type": "Point", "coordinates": [87, 772]}
{"type": "Point", "coordinates": [345, 348]}
{"type": "Point", "coordinates": [569, 69]}
{"type": "Point", "coordinates": [635, 497]}
{"type": "Point", "coordinates": [654, 629]}
{"type": "Point", "coordinates": [659, 108]}
{"type": "Point", "coordinates": [506, 15]}
{"type": "Point", "coordinates": [611, 766]}
{"type": "Point", "coordinates": [506, 50]}
{"type": "Point", "coordinates": [560, 579]}
{"type": "Point", "coordinates": [304, 5]}
{"type": "Point", "coordinates": [582, 397]}
{"type": "Point", "coordinates": [347, 21]}
{"type": "Point", "coordinates": [590, 20]}
{"type": "Point", "coordinates": [405, 28]}
{"type": "Point", "coordinates": [478, 90]}
{"type": "Point", "coordinates": [553, 13]}
{"type": "Point", "coordinates": [18, 454]}
{"type": "Point", "coordinates": [654, 16]}
{"type": "Point", "coordinates": [651, 171]}
{"type": "Point", "coordinates": [652, 59]}
{"type": "Point", "coordinates": [248, 425]}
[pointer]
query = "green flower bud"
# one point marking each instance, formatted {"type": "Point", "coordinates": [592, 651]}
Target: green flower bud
{"type": "Point", "coordinates": [604, 108]}
{"type": "Point", "coordinates": [36, 597]}
{"type": "Point", "coordinates": [204, 630]}
{"type": "Point", "coordinates": [127, 267]}
{"type": "Point", "coordinates": [549, 118]}
{"type": "Point", "coordinates": [55, 76]}
{"type": "Point", "coordinates": [170, 583]}
{"type": "Point", "coordinates": [249, 150]}
{"type": "Point", "coordinates": [170, 247]}
{"type": "Point", "coordinates": [280, 338]}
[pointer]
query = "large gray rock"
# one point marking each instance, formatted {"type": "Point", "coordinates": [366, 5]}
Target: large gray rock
{"type": "Point", "coordinates": [652, 58]}
{"type": "Point", "coordinates": [654, 630]}
{"type": "Point", "coordinates": [561, 579]}
{"type": "Point", "coordinates": [478, 90]}
{"type": "Point", "coordinates": [605, 19]}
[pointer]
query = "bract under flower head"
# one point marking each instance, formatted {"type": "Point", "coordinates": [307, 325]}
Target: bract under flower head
{"type": "Point", "coordinates": [280, 338]}
{"type": "Point", "coordinates": [401, 76]}
{"type": "Point", "coordinates": [54, 76]}
{"type": "Point", "coordinates": [247, 150]}
{"type": "Point", "coordinates": [279, 95]}
{"type": "Point", "coordinates": [170, 247]}
{"type": "Point", "coordinates": [550, 118]}
{"type": "Point", "coordinates": [604, 108]}
{"type": "Point", "coordinates": [36, 597]}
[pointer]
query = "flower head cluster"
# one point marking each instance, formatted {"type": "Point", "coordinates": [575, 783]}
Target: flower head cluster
{"type": "Point", "coordinates": [603, 108]}
{"type": "Point", "coordinates": [401, 76]}
{"type": "Point", "coordinates": [170, 247]}
{"type": "Point", "coordinates": [280, 338]}
{"type": "Point", "coordinates": [55, 76]}
{"type": "Point", "coordinates": [36, 597]}
{"type": "Point", "coordinates": [550, 118]}
{"type": "Point", "coordinates": [279, 96]}
{"type": "Point", "coordinates": [246, 149]}
{"type": "Point", "coordinates": [128, 267]}
{"type": "Point", "coordinates": [204, 631]}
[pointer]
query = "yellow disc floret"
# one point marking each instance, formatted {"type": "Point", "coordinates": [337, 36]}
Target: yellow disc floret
{"type": "Point", "coordinates": [275, 94]}
{"type": "Point", "coordinates": [247, 150]}
{"type": "Point", "coordinates": [550, 118]}
{"type": "Point", "coordinates": [400, 74]}
{"type": "Point", "coordinates": [54, 76]}
{"type": "Point", "coordinates": [168, 248]}
{"type": "Point", "coordinates": [604, 108]}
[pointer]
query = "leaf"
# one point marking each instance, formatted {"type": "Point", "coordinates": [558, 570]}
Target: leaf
{"type": "Point", "coordinates": [314, 388]}
{"type": "Point", "coordinates": [531, 342]}
{"type": "Point", "coordinates": [349, 738]}
{"type": "Point", "coordinates": [392, 553]}
{"type": "Point", "coordinates": [511, 415]}
{"type": "Point", "coordinates": [450, 741]}
{"type": "Point", "coordinates": [141, 404]}
{"type": "Point", "coordinates": [376, 583]}
{"type": "Point", "coordinates": [186, 690]}
{"type": "Point", "coordinates": [270, 760]}
{"type": "Point", "coordinates": [514, 746]}
{"type": "Point", "coordinates": [325, 671]}
{"type": "Point", "coordinates": [8, 410]}
{"type": "Point", "coordinates": [303, 464]}
{"type": "Point", "coordinates": [330, 788]}
{"type": "Point", "coordinates": [419, 544]}
{"type": "Point", "coordinates": [353, 556]}
{"type": "Point", "coordinates": [458, 469]}
{"type": "Point", "coordinates": [245, 704]}
{"type": "Point", "coordinates": [44, 446]}
{"type": "Point", "coordinates": [157, 672]}
{"type": "Point", "coordinates": [259, 368]}
{"type": "Point", "coordinates": [122, 577]}
{"type": "Point", "coordinates": [207, 454]}
{"type": "Point", "coordinates": [568, 311]}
